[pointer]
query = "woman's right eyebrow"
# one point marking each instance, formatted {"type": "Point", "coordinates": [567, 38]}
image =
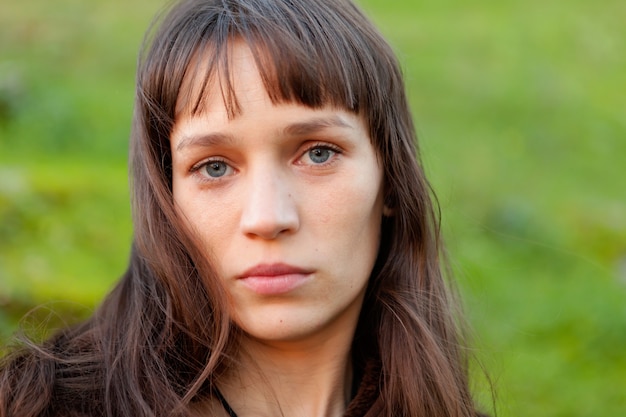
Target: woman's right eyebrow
{"type": "Point", "coordinates": [205, 140]}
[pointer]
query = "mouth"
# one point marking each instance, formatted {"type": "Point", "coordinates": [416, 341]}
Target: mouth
{"type": "Point", "coordinates": [274, 279]}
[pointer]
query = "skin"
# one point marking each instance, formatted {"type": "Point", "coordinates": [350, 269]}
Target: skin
{"type": "Point", "coordinates": [282, 185]}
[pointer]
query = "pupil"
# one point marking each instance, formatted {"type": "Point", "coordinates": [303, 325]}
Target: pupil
{"type": "Point", "coordinates": [319, 155]}
{"type": "Point", "coordinates": [216, 169]}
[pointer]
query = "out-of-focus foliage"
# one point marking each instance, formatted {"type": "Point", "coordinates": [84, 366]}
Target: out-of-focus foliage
{"type": "Point", "coordinates": [521, 111]}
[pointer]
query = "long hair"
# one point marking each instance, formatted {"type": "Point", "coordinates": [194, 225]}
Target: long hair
{"type": "Point", "coordinates": [163, 337]}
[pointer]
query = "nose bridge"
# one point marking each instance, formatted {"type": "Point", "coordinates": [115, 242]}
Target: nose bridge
{"type": "Point", "coordinates": [269, 206]}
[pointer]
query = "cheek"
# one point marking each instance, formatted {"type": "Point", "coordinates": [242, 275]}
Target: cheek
{"type": "Point", "coordinates": [211, 223]}
{"type": "Point", "coordinates": [351, 216]}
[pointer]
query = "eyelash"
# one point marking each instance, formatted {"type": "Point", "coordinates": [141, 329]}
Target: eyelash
{"type": "Point", "coordinates": [195, 169]}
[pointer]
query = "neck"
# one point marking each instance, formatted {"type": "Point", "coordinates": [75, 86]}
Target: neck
{"type": "Point", "coordinates": [297, 378]}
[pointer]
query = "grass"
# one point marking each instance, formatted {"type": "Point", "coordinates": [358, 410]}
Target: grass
{"type": "Point", "coordinates": [520, 111]}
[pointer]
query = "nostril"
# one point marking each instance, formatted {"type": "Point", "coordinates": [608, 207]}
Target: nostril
{"type": "Point", "coordinates": [269, 213]}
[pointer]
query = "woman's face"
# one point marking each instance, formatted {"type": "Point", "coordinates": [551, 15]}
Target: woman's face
{"type": "Point", "coordinates": [287, 201]}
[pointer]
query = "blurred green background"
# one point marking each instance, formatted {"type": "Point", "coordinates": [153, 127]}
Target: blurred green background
{"type": "Point", "coordinates": [521, 111]}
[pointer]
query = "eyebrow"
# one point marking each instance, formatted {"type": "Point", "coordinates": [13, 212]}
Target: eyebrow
{"type": "Point", "coordinates": [210, 139]}
{"type": "Point", "coordinates": [294, 129]}
{"type": "Point", "coordinates": [315, 125]}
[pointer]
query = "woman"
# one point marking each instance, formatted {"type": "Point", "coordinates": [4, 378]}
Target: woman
{"type": "Point", "coordinates": [285, 259]}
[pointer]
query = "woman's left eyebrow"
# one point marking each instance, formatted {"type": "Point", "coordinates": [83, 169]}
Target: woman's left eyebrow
{"type": "Point", "coordinates": [315, 125]}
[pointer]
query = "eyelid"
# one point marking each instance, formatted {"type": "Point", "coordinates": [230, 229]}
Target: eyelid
{"type": "Point", "coordinates": [322, 144]}
{"type": "Point", "coordinates": [198, 165]}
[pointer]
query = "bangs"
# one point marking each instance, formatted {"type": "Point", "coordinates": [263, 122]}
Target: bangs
{"type": "Point", "coordinates": [306, 52]}
{"type": "Point", "coordinates": [315, 53]}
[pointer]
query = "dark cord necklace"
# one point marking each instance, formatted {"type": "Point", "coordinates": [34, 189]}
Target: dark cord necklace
{"type": "Point", "coordinates": [225, 404]}
{"type": "Point", "coordinates": [231, 412]}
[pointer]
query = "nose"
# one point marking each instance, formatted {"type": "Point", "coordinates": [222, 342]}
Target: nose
{"type": "Point", "coordinates": [269, 207]}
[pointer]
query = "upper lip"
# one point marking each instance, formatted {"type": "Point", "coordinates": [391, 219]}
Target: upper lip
{"type": "Point", "coordinates": [273, 270]}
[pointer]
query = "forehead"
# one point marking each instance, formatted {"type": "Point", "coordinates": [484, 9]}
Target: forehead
{"type": "Point", "coordinates": [247, 86]}
{"type": "Point", "coordinates": [226, 71]}
{"type": "Point", "coordinates": [228, 76]}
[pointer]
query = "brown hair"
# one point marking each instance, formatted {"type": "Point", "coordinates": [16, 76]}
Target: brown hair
{"type": "Point", "coordinates": [163, 336]}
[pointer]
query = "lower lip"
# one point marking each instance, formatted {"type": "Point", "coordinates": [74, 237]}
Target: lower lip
{"type": "Point", "coordinates": [275, 285]}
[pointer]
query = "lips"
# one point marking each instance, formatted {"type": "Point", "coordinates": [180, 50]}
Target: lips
{"type": "Point", "coordinates": [273, 270]}
{"type": "Point", "coordinates": [274, 279]}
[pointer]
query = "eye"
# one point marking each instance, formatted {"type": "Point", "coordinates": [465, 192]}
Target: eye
{"type": "Point", "coordinates": [319, 155]}
{"type": "Point", "coordinates": [216, 169]}
{"type": "Point", "coordinates": [213, 169]}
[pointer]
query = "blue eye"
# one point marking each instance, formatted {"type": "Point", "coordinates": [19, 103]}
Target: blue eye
{"type": "Point", "coordinates": [319, 155]}
{"type": "Point", "coordinates": [216, 169]}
